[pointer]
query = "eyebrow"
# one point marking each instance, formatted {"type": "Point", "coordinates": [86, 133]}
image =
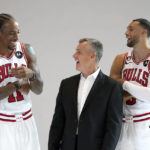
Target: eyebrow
{"type": "Point", "coordinates": [129, 27]}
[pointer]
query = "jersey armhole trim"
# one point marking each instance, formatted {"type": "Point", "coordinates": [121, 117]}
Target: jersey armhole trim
{"type": "Point", "coordinates": [11, 55]}
{"type": "Point", "coordinates": [24, 52]}
{"type": "Point", "coordinates": [124, 59]}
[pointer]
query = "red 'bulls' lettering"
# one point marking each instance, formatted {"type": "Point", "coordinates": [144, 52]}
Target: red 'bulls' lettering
{"type": "Point", "coordinates": [4, 71]}
{"type": "Point", "coordinates": [137, 75]}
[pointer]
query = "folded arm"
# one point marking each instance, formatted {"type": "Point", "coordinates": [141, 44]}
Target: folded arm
{"type": "Point", "coordinates": [140, 92]}
{"type": "Point", "coordinates": [30, 72]}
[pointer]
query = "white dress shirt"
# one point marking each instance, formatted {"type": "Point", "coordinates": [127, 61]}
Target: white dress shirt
{"type": "Point", "coordinates": [85, 86]}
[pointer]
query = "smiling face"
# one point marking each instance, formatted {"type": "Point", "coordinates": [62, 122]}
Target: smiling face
{"type": "Point", "coordinates": [85, 58]}
{"type": "Point", "coordinates": [9, 35]}
{"type": "Point", "coordinates": [133, 33]}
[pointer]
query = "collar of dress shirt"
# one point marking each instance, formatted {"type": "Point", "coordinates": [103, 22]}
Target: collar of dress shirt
{"type": "Point", "coordinates": [94, 75]}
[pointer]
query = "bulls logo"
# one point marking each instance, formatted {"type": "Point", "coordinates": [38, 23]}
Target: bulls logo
{"type": "Point", "coordinates": [145, 63]}
{"type": "Point", "coordinates": [19, 54]}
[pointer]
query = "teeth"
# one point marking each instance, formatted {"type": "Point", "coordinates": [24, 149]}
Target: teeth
{"type": "Point", "coordinates": [13, 43]}
{"type": "Point", "coordinates": [77, 61]}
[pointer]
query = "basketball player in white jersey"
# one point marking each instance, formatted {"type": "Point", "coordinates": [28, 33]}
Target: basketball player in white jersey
{"type": "Point", "coordinates": [132, 69]}
{"type": "Point", "coordinates": [18, 75]}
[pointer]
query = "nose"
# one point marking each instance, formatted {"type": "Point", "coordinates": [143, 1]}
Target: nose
{"type": "Point", "coordinates": [74, 55]}
{"type": "Point", "coordinates": [16, 37]}
{"type": "Point", "coordinates": [126, 33]}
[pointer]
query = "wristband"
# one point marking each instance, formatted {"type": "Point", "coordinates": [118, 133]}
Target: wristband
{"type": "Point", "coordinates": [33, 77]}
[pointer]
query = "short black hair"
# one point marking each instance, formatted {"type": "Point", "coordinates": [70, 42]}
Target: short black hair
{"type": "Point", "coordinates": [4, 18]}
{"type": "Point", "coordinates": [145, 24]}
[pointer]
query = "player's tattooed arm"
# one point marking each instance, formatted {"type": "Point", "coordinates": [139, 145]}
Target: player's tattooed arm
{"type": "Point", "coordinates": [116, 73]}
{"type": "Point", "coordinates": [30, 72]}
{"type": "Point", "coordinates": [36, 83]}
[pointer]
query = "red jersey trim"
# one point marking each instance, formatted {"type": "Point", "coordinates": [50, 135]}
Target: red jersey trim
{"type": "Point", "coordinates": [11, 55]}
{"type": "Point", "coordinates": [26, 112]}
{"type": "Point", "coordinates": [141, 115]}
{"type": "Point", "coordinates": [124, 59]}
{"type": "Point", "coordinates": [12, 118]}
{"type": "Point", "coordinates": [137, 63]}
{"type": "Point", "coordinates": [7, 115]}
{"type": "Point", "coordinates": [27, 117]}
{"type": "Point", "coordinates": [140, 120]}
{"type": "Point", "coordinates": [7, 120]}
{"type": "Point", "coordinates": [24, 52]}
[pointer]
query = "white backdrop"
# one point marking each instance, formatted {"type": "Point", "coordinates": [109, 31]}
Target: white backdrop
{"type": "Point", "coordinates": [53, 28]}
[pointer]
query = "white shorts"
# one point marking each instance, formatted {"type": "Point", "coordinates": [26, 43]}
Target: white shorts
{"type": "Point", "coordinates": [135, 134]}
{"type": "Point", "coordinates": [18, 132]}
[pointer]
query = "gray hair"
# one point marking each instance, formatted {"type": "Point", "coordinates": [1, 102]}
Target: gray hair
{"type": "Point", "coordinates": [96, 45]}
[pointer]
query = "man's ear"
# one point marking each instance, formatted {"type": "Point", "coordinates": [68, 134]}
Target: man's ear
{"type": "Point", "coordinates": [93, 55]}
{"type": "Point", "coordinates": [144, 32]}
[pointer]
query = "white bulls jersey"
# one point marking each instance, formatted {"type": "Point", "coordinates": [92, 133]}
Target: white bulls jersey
{"type": "Point", "coordinates": [137, 73]}
{"type": "Point", "coordinates": [16, 102]}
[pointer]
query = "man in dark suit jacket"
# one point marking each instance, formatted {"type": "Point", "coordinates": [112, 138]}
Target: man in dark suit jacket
{"type": "Point", "coordinates": [88, 113]}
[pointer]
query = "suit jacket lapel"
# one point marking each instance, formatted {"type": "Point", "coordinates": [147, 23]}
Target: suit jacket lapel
{"type": "Point", "coordinates": [98, 84]}
{"type": "Point", "coordinates": [75, 85]}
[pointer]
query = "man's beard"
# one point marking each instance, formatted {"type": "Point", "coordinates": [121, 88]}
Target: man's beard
{"type": "Point", "coordinates": [132, 43]}
{"type": "Point", "coordinates": [10, 48]}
